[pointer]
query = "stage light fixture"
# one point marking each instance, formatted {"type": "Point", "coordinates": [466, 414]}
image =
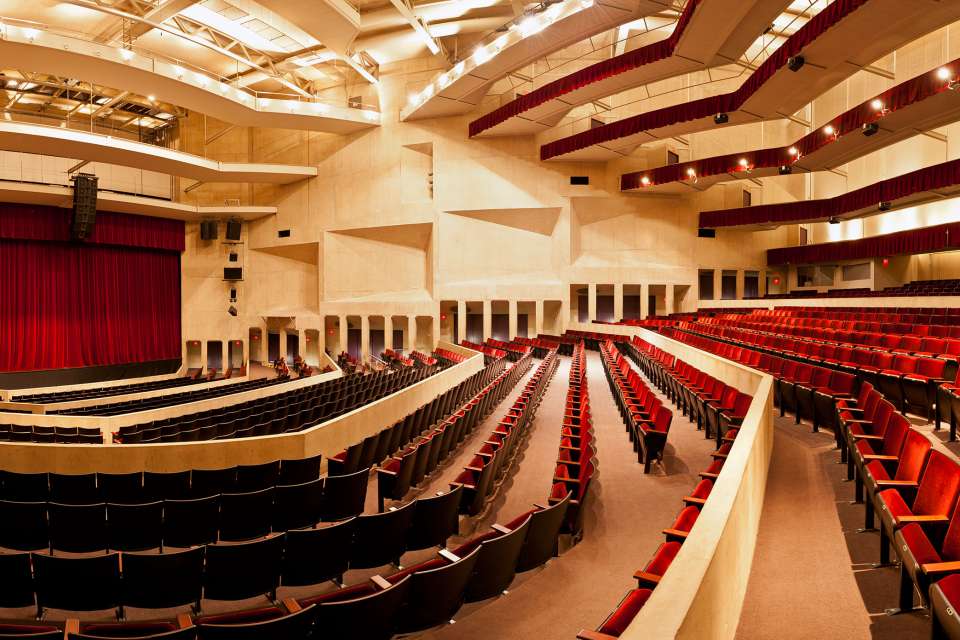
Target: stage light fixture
{"type": "Point", "coordinates": [785, 170]}
{"type": "Point", "coordinates": [869, 128]}
{"type": "Point", "coordinates": [884, 206]}
{"type": "Point", "coordinates": [833, 220]}
{"type": "Point", "coordinates": [721, 118]}
{"type": "Point", "coordinates": [795, 63]}
{"type": "Point", "coordinates": [645, 181]}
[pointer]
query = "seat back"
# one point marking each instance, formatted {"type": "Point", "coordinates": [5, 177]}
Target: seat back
{"type": "Point", "coordinates": [74, 489]}
{"type": "Point", "coordinates": [299, 471]}
{"type": "Point", "coordinates": [435, 519]}
{"type": "Point", "coordinates": [372, 617]}
{"type": "Point", "coordinates": [313, 556]}
{"type": "Point", "coordinates": [243, 570]}
{"type": "Point", "coordinates": [381, 538]}
{"type": "Point", "coordinates": [16, 588]}
{"type": "Point", "coordinates": [541, 542]}
{"type": "Point", "coordinates": [25, 487]}
{"type": "Point", "coordinates": [24, 525]}
{"type": "Point", "coordinates": [344, 496]}
{"type": "Point", "coordinates": [497, 564]}
{"type": "Point", "coordinates": [939, 485]}
{"type": "Point", "coordinates": [121, 488]}
{"type": "Point", "coordinates": [190, 522]}
{"type": "Point", "coordinates": [913, 456]}
{"type": "Point", "coordinates": [436, 594]}
{"type": "Point", "coordinates": [298, 505]}
{"type": "Point", "coordinates": [244, 516]}
{"type": "Point", "coordinates": [292, 626]}
{"type": "Point", "coordinates": [257, 477]}
{"type": "Point", "coordinates": [57, 580]}
{"type": "Point", "coordinates": [163, 581]}
{"type": "Point", "coordinates": [78, 528]}
{"type": "Point", "coordinates": [134, 527]}
{"type": "Point", "coordinates": [212, 482]}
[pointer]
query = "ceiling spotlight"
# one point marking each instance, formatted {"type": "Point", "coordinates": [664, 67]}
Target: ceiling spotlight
{"type": "Point", "coordinates": [793, 151]}
{"type": "Point", "coordinates": [691, 172]}
{"type": "Point", "coordinates": [833, 220]}
{"type": "Point", "coordinates": [884, 206]}
{"type": "Point", "coordinates": [645, 181]}
{"type": "Point", "coordinates": [232, 310]}
{"type": "Point", "coordinates": [178, 71]}
{"type": "Point", "coordinates": [829, 130]}
{"type": "Point", "coordinates": [877, 104]}
{"type": "Point", "coordinates": [943, 73]}
{"type": "Point", "coordinates": [795, 63]}
{"type": "Point", "coordinates": [126, 54]}
{"type": "Point", "coordinates": [869, 128]}
{"type": "Point", "coordinates": [785, 170]}
{"type": "Point", "coordinates": [743, 163]}
{"type": "Point", "coordinates": [152, 98]}
{"type": "Point", "coordinates": [721, 118]}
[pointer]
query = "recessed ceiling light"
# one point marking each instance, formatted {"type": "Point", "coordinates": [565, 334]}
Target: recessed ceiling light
{"type": "Point", "coordinates": [943, 73]}
{"type": "Point", "coordinates": [126, 54]}
{"type": "Point", "coordinates": [829, 130]}
{"type": "Point", "coordinates": [645, 181]}
{"type": "Point", "coordinates": [152, 98]}
{"type": "Point", "coordinates": [793, 151]}
{"type": "Point", "coordinates": [877, 104]}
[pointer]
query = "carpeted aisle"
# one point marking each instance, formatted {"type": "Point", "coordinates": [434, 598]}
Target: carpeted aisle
{"type": "Point", "coordinates": [811, 574]}
{"type": "Point", "coordinates": [623, 527]}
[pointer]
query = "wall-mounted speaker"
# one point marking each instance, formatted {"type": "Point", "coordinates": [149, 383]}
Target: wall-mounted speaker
{"type": "Point", "coordinates": [233, 230]}
{"type": "Point", "coordinates": [795, 63]}
{"type": "Point", "coordinates": [233, 273]}
{"type": "Point", "coordinates": [579, 180]}
{"type": "Point", "coordinates": [208, 230]}
{"type": "Point", "coordinates": [84, 205]}
{"type": "Point", "coordinates": [706, 233]}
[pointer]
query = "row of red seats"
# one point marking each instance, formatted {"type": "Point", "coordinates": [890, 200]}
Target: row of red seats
{"type": "Point", "coordinates": [515, 346]}
{"type": "Point", "coordinates": [911, 382]}
{"type": "Point", "coordinates": [901, 323]}
{"type": "Point", "coordinates": [424, 358]}
{"type": "Point", "coordinates": [410, 466]}
{"type": "Point", "coordinates": [484, 349]}
{"type": "Point", "coordinates": [884, 314]}
{"type": "Point", "coordinates": [390, 355]}
{"type": "Point", "coordinates": [576, 456]}
{"type": "Point", "coordinates": [659, 365]}
{"type": "Point", "coordinates": [455, 358]}
{"type": "Point", "coordinates": [487, 467]}
{"type": "Point", "coordinates": [914, 491]}
{"type": "Point", "coordinates": [537, 342]}
{"type": "Point", "coordinates": [646, 419]}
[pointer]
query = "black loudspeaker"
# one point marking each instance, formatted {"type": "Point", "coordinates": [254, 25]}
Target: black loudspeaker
{"type": "Point", "coordinates": [208, 230]}
{"type": "Point", "coordinates": [785, 170]}
{"type": "Point", "coordinates": [84, 205]}
{"type": "Point", "coordinates": [233, 273]}
{"type": "Point", "coordinates": [721, 118]}
{"type": "Point", "coordinates": [579, 180]}
{"type": "Point", "coordinates": [706, 233]}
{"type": "Point", "coordinates": [233, 230]}
{"type": "Point", "coordinates": [869, 128]}
{"type": "Point", "coordinates": [796, 63]}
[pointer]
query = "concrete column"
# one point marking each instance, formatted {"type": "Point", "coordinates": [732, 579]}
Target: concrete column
{"type": "Point", "coordinates": [435, 334]}
{"type": "Point", "coordinates": [343, 335]}
{"type": "Point", "coordinates": [741, 275]}
{"type": "Point", "coordinates": [461, 320]}
{"type": "Point", "coordinates": [411, 333]}
{"type": "Point", "coordinates": [364, 337]}
{"type": "Point", "coordinates": [244, 352]}
{"type": "Point", "coordinates": [762, 284]}
{"type": "Point", "coordinates": [538, 320]}
{"type": "Point", "coordinates": [668, 300]}
{"type": "Point", "coordinates": [512, 314]}
{"type": "Point", "coordinates": [203, 355]}
{"type": "Point", "coordinates": [591, 302]}
{"type": "Point", "coordinates": [644, 301]}
{"type": "Point", "coordinates": [487, 319]}
{"type": "Point", "coordinates": [283, 343]}
{"type": "Point", "coordinates": [718, 284]}
{"type": "Point", "coordinates": [617, 301]}
{"type": "Point", "coordinates": [388, 332]}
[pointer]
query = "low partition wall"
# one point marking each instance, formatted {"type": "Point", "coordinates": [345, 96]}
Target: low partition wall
{"type": "Point", "coordinates": [327, 439]}
{"type": "Point", "coordinates": [701, 595]}
{"type": "Point", "coordinates": [6, 394]}
{"type": "Point", "coordinates": [950, 302]}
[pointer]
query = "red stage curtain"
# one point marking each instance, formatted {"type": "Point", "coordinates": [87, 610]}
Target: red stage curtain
{"type": "Point", "coordinates": [67, 305]}
{"type": "Point", "coordinates": [707, 107]}
{"type": "Point", "coordinates": [38, 222]}
{"type": "Point", "coordinates": [904, 94]}
{"type": "Point", "coordinates": [913, 241]}
{"type": "Point", "coordinates": [935, 177]}
{"type": "Point", "coordinates": [594, 73]}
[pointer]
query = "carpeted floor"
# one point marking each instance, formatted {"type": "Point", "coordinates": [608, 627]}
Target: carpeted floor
{"type": "Point", "coordinates": [812, 575]}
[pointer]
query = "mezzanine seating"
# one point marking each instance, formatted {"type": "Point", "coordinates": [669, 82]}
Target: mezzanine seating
{"type": "Point", "coordinates": [100, 392]}
{"type": "Point", "coordinates": [47, 435]}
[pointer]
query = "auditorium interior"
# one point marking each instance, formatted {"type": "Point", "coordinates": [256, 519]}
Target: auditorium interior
{"type": "Point", "coordinates": [474, 319]}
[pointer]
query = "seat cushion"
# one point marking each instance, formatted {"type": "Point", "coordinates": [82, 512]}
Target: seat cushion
{"type": "Point", "coordinates": [618, 621]}
{"type": "Point", "coordinates": [241, 617]}
{"type": "Point", "coordinates": [348, 593]}
{"type": "Point", "coordinates": [920, 546]}
{"type": "Point", "coordinates": [894, 503]}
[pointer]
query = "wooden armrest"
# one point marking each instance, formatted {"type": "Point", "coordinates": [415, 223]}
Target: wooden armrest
{"type": "Point", "coordinates": [184, 621]}
{"type": "Point", "coordinates": [72, 625]}
{"type": "Point", "coordinates": [449, 555]}
{"type": "Point", "coordinates": [693, 500]}
{"type": "Point", "coordinates": [500, 528]}
{"type": "Point", "coordinates": [708, 476]}
{"type": "Point", "coordinates": [866, 436]}
{"type": "Point", "coordinates": [556, 479]}
{"type": "Point", "coordinates": [940, 567]}
{"type": "Point", "coordinates": [386, 472]}
{"type": "Point", "coordinates": [291, 605]}
{"type": "Point", "coordinates": [676, 533]}
{"type": "Point", "coordinates": [922, 519]}
{"type": "Point", "coordinates": [587, 634]}
{"type": "Point", "coordinates": [477, 469]}
{"type": "Point", "coordinates": [539, 506]}
{"type": "Point", "coordinates": [646, 577]}
{"type": "Point", "coordinates": [911, 484]}
{"type": "Point", "coordinates": [381, 582]}
{"type": "Point", "coordinates": [877, 456]}
{"type": "Point", "coordinates": [482, 454]}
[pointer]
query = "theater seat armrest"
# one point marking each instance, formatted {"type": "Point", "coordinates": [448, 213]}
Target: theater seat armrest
{"type": "Point", "coordinates": [500, 528]}
{"type": "Point", "coordinates": [866, 436]}
{"type": "Point", "coordinates": [477, 469]}
{"type": "Point", "coordinates": [940, 567]}
{"type": "Point", "coordinates": [692, 500]}
{"type": "Point", "coordinates": [676, 533]}
{"type": "Point", "coordinates": [877, 456]}
{"type": "Point", "coordinates": [380, 581]}
{"type": "Point", "coordinates": [72, 625]}
{"type": "Point", "coordinates": [708, 476]}
{"type": "Point", "coordinates": [587, 634]}
{"type": "Point", "coordinates": [895, 484]}
{"type": "Point", "coordinates": [556, 479]}
{"type": "Point", "coordinates": [385, 472]}
{"type": "Point", "coordinates": [937, 519]}
{"type": "Point", "coordinates": [184, 621]}
{"type": "Point", "coordinates": [449, 555]}
{"type": "Point", "coordinates": [291, 605]}
{"type": "Point", "coordinates": [539, 506]}
{"type": "Point", "coordinates": [644, 577]}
